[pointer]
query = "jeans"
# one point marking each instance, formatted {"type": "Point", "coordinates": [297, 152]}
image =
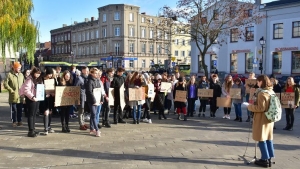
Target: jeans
{"type": "Point", "coordinates": [32, 109]}
{"type": "Point", "coordinates": [136, 115]}
{"type": "Point", "coordinates": [247, 100]}
{"type": "Point", "coordinates": [266, 149]}
{"type": "Point", "coordinates": [238, 109]}
{"type": "Point", "coordinates": [93, 119]}
{"type": "Point", "coordinates": [16, 112]}
{"type": "Point", "coordinates": [98, 113]}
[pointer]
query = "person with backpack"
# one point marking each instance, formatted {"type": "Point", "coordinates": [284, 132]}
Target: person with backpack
{"type": "Point", "coordinates": [262, 128]}
{"type": "Point", "coordinates": [81, 81]}
{"type": "Point", "coordinates": [291, 87]}
{"type": "Point", "coordinates": [29, 91]}
{"type": "Point", "coordinates": [13, 83]}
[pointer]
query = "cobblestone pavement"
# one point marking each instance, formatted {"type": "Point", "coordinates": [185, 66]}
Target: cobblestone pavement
{"type": "Point", "coordinates": [199, 143]}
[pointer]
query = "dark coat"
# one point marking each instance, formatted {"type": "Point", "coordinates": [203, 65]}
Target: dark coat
{"type": "Point", "coordinates": [92, 83]}
{"type": "Point", "coordinates": [203, 85]}
{"type": "Point", "coordinates": [81, 81]}
{"type": "Point", "coordinates": [117, 82]}
{"type": "Point", "coordinates": [159, 98]}
{"type": "Point", "coordinates": [217, 89]}
{"type": "Point", "coordinates": [277, 88]}
{"type": "Point", "coordinates": [179, 104]}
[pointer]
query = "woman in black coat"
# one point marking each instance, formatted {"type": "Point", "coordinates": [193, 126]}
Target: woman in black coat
{"type": "Point", "coordinates": [217, 91]}
{"type": "Point", "coordinates": [159, 99]}
{"type": "Point", "coordinates": [180, 106]}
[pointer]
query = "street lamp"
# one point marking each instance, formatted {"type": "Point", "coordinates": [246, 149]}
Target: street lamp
{"type": "Point", "coordinates": [262, 43]}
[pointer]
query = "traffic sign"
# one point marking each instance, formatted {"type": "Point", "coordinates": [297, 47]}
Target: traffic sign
{"type": "Point", "coordinates": [173, 58]}
{"type": "Point", "coordinates": [173, 63]}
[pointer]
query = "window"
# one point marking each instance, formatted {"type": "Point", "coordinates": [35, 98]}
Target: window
{"type": "Point", "coordinates": [233, 63]}
{"type": "Point", "coordinates": [249, 62]}
{"type": "Point", "coordinates": [296, 29]}
{"type": "Point", "coordinates": [104, 48]}
{"type": "Point", "coordinates": [131, 33]}
{"type": "Point", "coordinates": [69, 48]}
{"type": "Point", "coordinates": [83, 36]}
{"type": "Point", "coordinates": [278, 31]}
{"type": "Point", "coordinates": [234, 35]}
{"type": "Point", "coordinates": [143, 32]}
{"type": "Point", "coordinates": [130, 63]}
{"type": "Point", "coordinates": [277, 62]}
{"type": "Point", "coordinates": [216, 14]}
{"type": "Point", "coordinates": [248, 13]}
{"type": "Point", "coordinates": [117, 16]}
{"type": "Point", "coordinates": [92, 34]}
{"type": "Point", "coordinates": [55, 38]}
{"type": "Point", "coordinates": [131, 47]}
{"type": "Point", "coordinates": [143, 63]}
{"type": "Point", "coordinates": [203, 20]}
{"type": "Point", "coordinates": [79, 37]}
{"type": "Point", "coordinates": [295, 61]}
{"type": "Point", "coordinates": [183, 53]}
{"type": "Point", "coordinates": [151, 20]}
{"type": "Point", "coordinates": [189, 53]}
{"type": "Point", "coordinates": [131, 17]}
{"type": "Point", "coordinates": [117, 48]}
{"type": "Point", "coordinates": [151, 33]}
{"type": "Point", "coordinates": [87, 35]}
{"type": "Point", "coordinates": [176, 53]}
{"type": "Point", "coordinates": [183, 42]}
{"type": "Point", "coordinates": [117, 31]}
{"type": "Point", "coordinates": [87, 49]}
{"type": "Point", "coordinates": [92, 50]}
{"type": "Point", "coordinates": [97, 34]}
{"type": "Point", "coordinates": [166, 49]}
{"type": "Point", "coordinates": [143, 19]}
{"type": "Point", "coordinates": [213, 62]}
{"type": "Point", "coordinates": [74, 38]}
{"type": "Point", "coordinates": [159, 49]}
{"type": "Point", "coordinates": [158, 34]}
{"type": "Point", "coordinates": [176, 41]}
{"type": "Point", "coordinates": [166, 36]}
{"type": "Point", "coordinates": [232, 12]}
{"type": "Point", "coordinates": [151, 48]}
{"type": "Point", "coordinates": [250, 33]}
{"type": "Point", "coordinates": [97, 49]}
{"type": "Point", "coordinates": [104, 18]}
{"type": "Point", "coordinates": [143, 47]}
{"type": "Point", "coordinates": [69, 36]}
{"type": "Point", "coordinates": [62, 49]}
{"type": "Point", "coordinates": [104, 32]}
{"type": "Point", "coordinates": [66, 37]}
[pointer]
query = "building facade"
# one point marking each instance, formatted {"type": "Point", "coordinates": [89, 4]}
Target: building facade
{"type": "Point", "coordinates": [280, 28]}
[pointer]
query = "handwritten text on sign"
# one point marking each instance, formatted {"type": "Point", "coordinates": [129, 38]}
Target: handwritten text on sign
{"type": "Point", "coordinates": [250, 83]}
{"type": "Point", "coordinates": [287, 100]}
{"type": "Point", "coordinates": [180, 96]}
{"type": "Point", "coordinates": [205, 92]}
{"type": "Point", "coordinates": [67, 95]}
{"type": "Point", "coordinates": [235, 93]}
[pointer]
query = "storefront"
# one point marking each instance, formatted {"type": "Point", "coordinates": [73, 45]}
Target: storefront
{"type": "Point", "coordinates": [241, 61]}
{"type": "Point", "coordinates": [289, 56]}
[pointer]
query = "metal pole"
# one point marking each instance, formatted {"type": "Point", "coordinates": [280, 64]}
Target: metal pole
{"type": "Point", "coordinates": [262, 58]}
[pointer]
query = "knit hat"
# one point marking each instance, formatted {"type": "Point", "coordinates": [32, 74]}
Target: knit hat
{"type": "Point", "coordinates": [48, 71]}
{"type": "Point", "coordinates": [158, 77]}
{"type": "Point", "coordinates": [17, 65]}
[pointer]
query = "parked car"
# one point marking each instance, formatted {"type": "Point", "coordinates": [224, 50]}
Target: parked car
{"type": "Point", "coordinates": [242, 77]}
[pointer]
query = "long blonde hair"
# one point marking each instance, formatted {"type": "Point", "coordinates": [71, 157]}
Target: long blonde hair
{"type": "Point", "coordinates": [228, 84]}
{"type": "Point", "coordinates": [287, 83]}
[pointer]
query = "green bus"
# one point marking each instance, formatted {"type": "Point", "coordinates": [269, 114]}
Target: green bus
{"type": "Point", "coordinates": [66, 66]}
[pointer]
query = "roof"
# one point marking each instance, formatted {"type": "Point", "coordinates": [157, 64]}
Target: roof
{"type": "Point", "coordinates": [281, 2]}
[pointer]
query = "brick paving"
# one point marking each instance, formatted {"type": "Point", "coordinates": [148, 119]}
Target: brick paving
{"type": "Point", "coordinates": [202, 143]}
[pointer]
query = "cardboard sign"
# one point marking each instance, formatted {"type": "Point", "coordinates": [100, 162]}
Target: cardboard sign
{"type": "Point", "coordinates": [97, 94]}
{"type": "Point", "coordinates": [180, 96]}
{"type": "Point", "coordinates": [287, 100]}
{"type": "Point", "coordinates": [122, 97]}
{"type": "Point", "coordinates": [235, 93]}
{"type": "Point", "coordinates": [151, 92]}
{"type": "Point", "coordinates": [223, 102]}
{"type": "Point", "coordinates": [166, 87]}
{"type": "Point", "coordinates": [49, 85]}
{"type": "Point", "coordinates": [40, 92]}
{"type": "Point", "coordinates": [136, 94]}
{"type": "Point", "coordinates": [111, 96]}
{"type": "Point", "coordinates": [205, 92]}
{"type": "Point", "coordinates": [67, 95]}
{"type": "Point", "coordinates": [249, 83]}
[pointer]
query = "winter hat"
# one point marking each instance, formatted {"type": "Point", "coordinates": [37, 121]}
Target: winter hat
{"type": "Point", "coordinates": [180, 79]}
{"type": "Point", "coordinates": [158, 77]}
{"type": "Point", "coordinates": [48, 71]}
{"type": "Point", "coordinates": [17, 65]}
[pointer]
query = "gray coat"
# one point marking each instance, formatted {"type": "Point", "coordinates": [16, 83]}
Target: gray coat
{"type": "Point", "coordinates": [242, 93]}
{"type": "Point", "coordinates": [80, 81]}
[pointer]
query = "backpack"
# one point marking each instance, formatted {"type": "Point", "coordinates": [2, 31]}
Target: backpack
{"type": "Point", "coordinates": [274, 112]}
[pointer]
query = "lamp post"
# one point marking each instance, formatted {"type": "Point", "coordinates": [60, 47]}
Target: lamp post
{"type": "Point", "coordinates": [262, 43]}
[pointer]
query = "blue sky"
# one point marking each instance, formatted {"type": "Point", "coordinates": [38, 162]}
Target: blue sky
{"type": "Point", "coordinates": [52, 14]}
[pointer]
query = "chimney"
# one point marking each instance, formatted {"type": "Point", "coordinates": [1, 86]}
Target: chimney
{"type": "Point", "coordinates": [75, 22]}
{"type": "Point", "coordinates": [64, 25]}
{"type": "Point", "coordinates": [143, 13]}
{"type": "Point", "coordinates": [92, 19]}
{"type": "Point", "coordinates": [86, 19]}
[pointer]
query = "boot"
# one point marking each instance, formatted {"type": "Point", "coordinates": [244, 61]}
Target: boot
{"type": "Point", "coordinates": [164, 116]}
{"type": "Point", "coordinates": [63, 129]}
{"type": "Point", "coordinates": [107, 124]}
{"type": "Point", "coordinates": [199, 115]}
{"type": "Point", "coordinates": [134, 122]}
{"type": "Point", "coordinates": [159, 117]}
{"type": "Point", "coordinates": [185, 118]}
{"type": "Point", "coordinates": [138, 122]}
{"type": "Point", "coordinates": [261, 162]}
{"type": "Point", "coordinates": [67, 129]}
{"type": "Point", "coordinates": [178, 118]}
{"type": "Point", "coordinates": [248, 119]}
{"type": "Point", "coordinates": [240, 119]}
{"type": "Point", "coordinates": [31, 134]}
{"type": "Point", "coordinates": [236, 119]}
{"type": "Point", "coordinates": [99, 125]}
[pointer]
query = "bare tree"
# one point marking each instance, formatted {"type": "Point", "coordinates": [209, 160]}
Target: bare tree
{"type": "Point", "coordinates": [209, 22]}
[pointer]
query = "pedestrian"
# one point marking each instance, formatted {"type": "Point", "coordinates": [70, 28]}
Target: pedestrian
{"type": "Point", "coordinates": [262, 128]}
{"type": "Point", "coordinates": [32, 103]}
{"type": "Point", "coordinates": [99, 107]}
{"type": "Point", "coordinates": [180, 106]}
{"type": "Point", "coordinates": [217, 91]}
{"type": "Point", "coordinates": [170, 98]}
{"type": "Point", "coordinates": [159, 99]}
{"type": "Point", "coordinates": [106, 80]}
{"type": "Point", "coordinates": [65, 80]}
{"type": "Point", "coordinates": [191, 95]}
{"type": "Point", "coordinates": [291, 87]}
{"type": "Point", "coordinates": [237, 103]}
{"type": "Point", "coordinates": [93, 83]}
{"type": "Point", "coordinates": [13, 83]}
{"type": "Point", "coordinates": [252, 89]}
{"type": "Point", "coordinates": [203, 84]}
{"type": "Point", "coordinates": [146, 115]}
{"type": "Point", "coordinates": [226, 93]}
{"type": "Point", "coordinates": [135, 82]}
{"type": "Point", "coordinates": [117, 82]}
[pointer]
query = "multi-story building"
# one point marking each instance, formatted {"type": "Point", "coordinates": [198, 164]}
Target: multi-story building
{"type": "Point", "coordinates": [280, 30]}
{"type": "Point", "coordinates": [181, 47]}
{"type": "Point", "coordinates": [61, 43]}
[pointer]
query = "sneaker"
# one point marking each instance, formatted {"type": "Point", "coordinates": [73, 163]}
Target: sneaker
{"type": "Point", "coordinates": [14, 124]}
{"type": "Point", "coordinates": [45, 132]}
{"type": "Point", "coordinates": [20, 124]}
{"type": "Point", "coordinates": [93, 132]}
{"type": "Point", "coordinates": [50, 130]}
{"type": "Point", "coordinates": [150, 121]}
{"type": "Point", "coordinates": [227, 117]}
{"type": "Point", "coordinates": [87, 117]}
{"type": "Point", "coordinates": [224, 117]}
{"type": "Point", "coordinates": [98, 133]}
{"type": "Point", "coordinates": [146, 120]}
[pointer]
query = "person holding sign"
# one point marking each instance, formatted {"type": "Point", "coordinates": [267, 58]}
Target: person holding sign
{"type": "Point", "coordinates": [180, 106]}
{"type": "Point", "coordinates": [92, 84]}
{"type": "Point", "coordinates": [48, 103]}
{"type": "Point", "coordinates": [203, 84]}
{"type": "Point", "coordinates": [262, 128]}
{"type": "Point", "coordinates": [191, 95]}
{"type": "Point", "coordinates": [147, 80]}
{"type": "Point", "coordinates": [237, 103]}
{"type": "Point", "coordinates": [252, 88]}
{"type": "Point", "coordinates": [32, 103]}
{"type": "Point", "coordinates": [226, 93]}
{"type": "Point", "coordinates": [159, 97]}
{"type": "Point", "coordinates": [65, 80]}
{"type": "Point", "coordinates": [291, 87]}
{"type": "Point", "coordinates": [217, 91]}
